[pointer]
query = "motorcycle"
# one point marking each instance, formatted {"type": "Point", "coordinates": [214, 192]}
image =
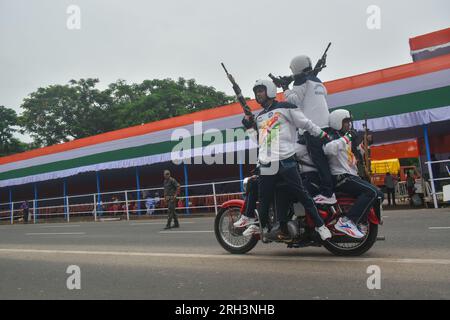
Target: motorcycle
{"type": "Point", "coordinates": [300, 226]}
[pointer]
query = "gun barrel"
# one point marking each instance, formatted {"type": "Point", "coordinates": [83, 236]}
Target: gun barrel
{"type": "Point", "coordinates": [224, 68]}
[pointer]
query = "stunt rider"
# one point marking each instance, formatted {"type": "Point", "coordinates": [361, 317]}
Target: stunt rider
{"type": "Point", "coordinates": [309, 94]}
{"type": "Point", "coordinates": [276, 127]}
{"type": "Point", "coordinates": [345, 175]}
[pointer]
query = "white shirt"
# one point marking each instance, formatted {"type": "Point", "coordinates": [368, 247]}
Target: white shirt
{"type": "Point", "coordinates": [277, 131]}
{"type": "Point", "coordinates": [309, 94]}
{"type": "Point", "coordinates": [340, 157]}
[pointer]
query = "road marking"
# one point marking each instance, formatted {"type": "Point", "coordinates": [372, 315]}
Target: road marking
{"type": "Point", "coordinates": [68, 226]}
{"type": "Point", "coordinates": [231, 257]}
{"type": "Point", "coordinates": [153, 223]}
{"type": "Point", "coordinates": [438, 228]}
{"type": "Point", "coordinates": [186, 231]}
{"type": "Point", "coordinates": [55, 233]}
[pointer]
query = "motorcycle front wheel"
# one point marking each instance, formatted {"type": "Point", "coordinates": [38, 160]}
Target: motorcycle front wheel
{"type": "Point", "coordinates": [229, 237]}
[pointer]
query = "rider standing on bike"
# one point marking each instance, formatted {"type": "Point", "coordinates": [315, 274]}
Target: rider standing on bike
{"type": "Point", "coordinates": [345, 174]}
{"type": "Point", "coordinates": [309, 94]}
{"type": "Point", "coordinates": [276, 127]}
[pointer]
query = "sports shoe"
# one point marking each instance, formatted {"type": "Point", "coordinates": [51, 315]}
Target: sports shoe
{"type": "Point", "coordinates": [324, 232]}
{"type": "Point", "coordinates": [252, 230]}
{"type": "Point", "coordinates": [321, 199]}
{"type": "Point", "coordinates": [244, 221]}
{"type": "Point", "coordinates": [363, 228]}
{"type": "Point", "coordinates": [346, 226]}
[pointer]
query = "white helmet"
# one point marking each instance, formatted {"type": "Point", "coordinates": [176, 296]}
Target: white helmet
{"type": "Point", "coordinates": [299, 64]}
{"type": "Point", "coordinates": [271, 89]}
{"type": "Point", "coordinates": [336, 118]}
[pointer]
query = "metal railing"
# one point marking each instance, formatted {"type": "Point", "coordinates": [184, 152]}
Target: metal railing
{"type": "Point", "coordinates": [202, 198]}
{"type": "Point", "coordinates": [434, 194]}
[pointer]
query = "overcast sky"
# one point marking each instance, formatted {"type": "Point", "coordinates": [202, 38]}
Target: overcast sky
{"type": "Point", "coordinates": [145, 39]}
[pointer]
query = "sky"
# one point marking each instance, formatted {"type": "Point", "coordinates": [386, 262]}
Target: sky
{"type": "Point", "coordinates": [134, 40]}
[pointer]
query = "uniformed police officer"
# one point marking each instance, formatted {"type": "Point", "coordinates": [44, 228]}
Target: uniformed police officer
{"type": "Point", "coordinates": [171, 191]}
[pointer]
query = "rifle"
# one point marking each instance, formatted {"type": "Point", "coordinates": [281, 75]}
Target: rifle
{"type": "Point", "coordinates": [367, 167]}
{"type": "Point", "coordinates": [363, 161]}
{"type": "Point", "coordinates": [238, 92]}
{"type": "Point", "coordinates": [322, 63]}
{"type": "Point", "coordinates": [284, 82]}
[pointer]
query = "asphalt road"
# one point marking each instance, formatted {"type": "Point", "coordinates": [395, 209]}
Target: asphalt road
{"type": "Point", "coordinates": [137, 260]}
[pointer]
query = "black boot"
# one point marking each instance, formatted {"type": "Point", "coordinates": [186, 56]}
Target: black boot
{"type": "Point", "coordinates": [167, 227]}
{"type": "Point", "coordinates": [176, 225]}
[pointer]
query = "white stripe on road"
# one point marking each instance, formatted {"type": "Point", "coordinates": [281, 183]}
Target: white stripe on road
{"type": "Point", "coordinates": [438, 228]}
{"type": "Point", "coordinates": [186, 231]}
{"type": "Point", "coordinates": [68, 226]}
{"type": "Point", "coordinates": [153, 223]}
{"type": "Point", "coordinates": [55, 233]}
{"type": "Point", "coordinates": [230, 256]}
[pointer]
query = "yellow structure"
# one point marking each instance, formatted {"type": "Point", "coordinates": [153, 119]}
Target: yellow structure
{"type": "Point", "coordinates": [384, 166]}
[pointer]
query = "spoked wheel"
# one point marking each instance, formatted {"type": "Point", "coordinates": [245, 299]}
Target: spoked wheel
{"type": "Point", "coordinates": [229, 237]}
{"type": "Point", "coordinates": [347, 246]}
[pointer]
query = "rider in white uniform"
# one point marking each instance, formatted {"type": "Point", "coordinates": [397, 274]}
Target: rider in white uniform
{"type": "Point", "coordinates": [309, 95]}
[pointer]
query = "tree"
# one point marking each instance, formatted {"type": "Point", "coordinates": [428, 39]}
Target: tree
{"type": "Point", "coordinates": [60, 113]}
{"type": "Point", "coordinates": [9, 144]}
{"type": "Point", "coordinates": [161, 99]}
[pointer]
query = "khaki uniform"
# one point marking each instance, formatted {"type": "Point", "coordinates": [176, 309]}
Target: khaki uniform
{"type": "Point", "coordinates": [170, 190]}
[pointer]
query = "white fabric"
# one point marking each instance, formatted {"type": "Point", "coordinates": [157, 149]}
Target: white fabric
{"type": "Point", "coordinates": [405, 120]}
{"type": "Point", "coordinates": [400, 87]}
{"type": "Point", "coordinates": [340, 157]}
{"type": "Point", "coordinates": [136, 141]}
{"type": "Point", "coordinates": [310, 97]}
{"type": "Point", "coordinates": [306, 163]}
{"type": "Point", "coordinates": [277, 132]}
{"type": "Point", "coordinates": [136, 162]}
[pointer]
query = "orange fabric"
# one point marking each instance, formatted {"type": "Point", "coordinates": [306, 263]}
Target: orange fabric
{"type": "Point", "coordinates": [390, 74]}
{"type": "Point", "coordinates": [205, 115]}
{"type": "Point", "coordinates": [400, 150]}
{"type": "Point", "coordinates": [430, 39]}
{"type": "Point", "coordinates": [345, 84]}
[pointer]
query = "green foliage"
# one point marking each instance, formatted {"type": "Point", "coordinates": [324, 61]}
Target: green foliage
{"type": "Point", "coordinates": [60, 113]}
{"type": "Point", "coordinates": [8, 122]}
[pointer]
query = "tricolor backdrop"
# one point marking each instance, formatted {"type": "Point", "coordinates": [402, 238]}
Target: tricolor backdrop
{"type": "Point", "coordinates": [400, 97]}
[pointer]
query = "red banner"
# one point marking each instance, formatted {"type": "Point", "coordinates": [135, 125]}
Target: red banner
{"type": "Point", "coordinates": [399, 150]}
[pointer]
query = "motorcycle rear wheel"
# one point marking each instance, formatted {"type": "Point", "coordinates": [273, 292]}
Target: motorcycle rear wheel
{"type": "Point", "coordinates": [357, 249]}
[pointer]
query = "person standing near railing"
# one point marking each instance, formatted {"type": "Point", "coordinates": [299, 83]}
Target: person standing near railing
{"type": "Point", "coordinates": [410, 186]}
{"type": "Point", "coordinates": [171, 191]}
{"type": "Point", "coordinates": [25, 210]}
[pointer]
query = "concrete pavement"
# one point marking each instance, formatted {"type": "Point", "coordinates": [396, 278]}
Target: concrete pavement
{"type": "Point", "coordinates": [138, 260]}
